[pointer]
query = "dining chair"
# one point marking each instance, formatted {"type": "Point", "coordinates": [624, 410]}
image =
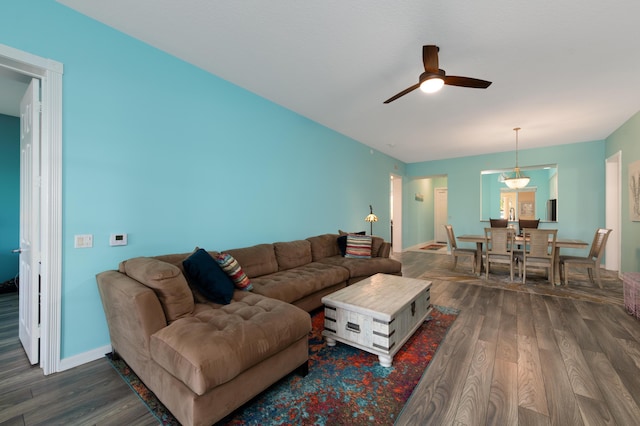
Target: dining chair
{"type": "Point", "coordinates": [591, 262]}
{"type": "Point", "coordinates": [456, 252]}
{"type": "Point", "coordinates": [499, 248]}
{"type": "Point", "coordinates": [498, 223]}
{"type": "Point", "coordinates": [539, 251]}
{"type": "Point", "coordinates": [527, 223]}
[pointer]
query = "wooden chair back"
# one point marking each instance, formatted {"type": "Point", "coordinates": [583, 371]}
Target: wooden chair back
{"type": "Point", "coordinates": [498, 241]}
{"type": "Point", "coordinates": [499, 223]}
{"type": "Point", "coordinates": [499, 245]}
{"type": "Point", "coordinates": [540, 243]}
{"type": "Point", "coordinates": [451, 237]}
{"type": "Point", "coordinates": [527, 223]}
{"type": "Point", "coordinates": [540, 250]}
{"type": "Point", "coordinates": [598, 244]}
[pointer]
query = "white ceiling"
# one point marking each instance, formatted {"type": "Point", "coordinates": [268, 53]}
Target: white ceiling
{"type": "Point", "coordinates": [565, 71]}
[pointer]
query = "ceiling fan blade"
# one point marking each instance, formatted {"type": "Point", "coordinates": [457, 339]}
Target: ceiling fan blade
{"type": "Point", "coordinates": [475, 83]}
{"type": "Point", "coordinates": [404, 92]}
{"type": "Point", "coordinates": [430, 58]}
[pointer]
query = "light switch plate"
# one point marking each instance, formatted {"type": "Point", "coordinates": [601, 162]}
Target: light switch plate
{"type": "Point", "coordinates": [83, 241]}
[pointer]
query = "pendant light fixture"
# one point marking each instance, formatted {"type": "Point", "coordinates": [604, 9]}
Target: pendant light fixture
{"type": "Point", "coordinates": [517, 181]}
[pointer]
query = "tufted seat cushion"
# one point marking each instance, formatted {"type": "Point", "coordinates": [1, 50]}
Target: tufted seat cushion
{"type": "Point", "coordinates": [294, 284]}
{"type": "Point", "coordinates": [215, 345]}
{"type": "Point", "coordinates": [365, 267]}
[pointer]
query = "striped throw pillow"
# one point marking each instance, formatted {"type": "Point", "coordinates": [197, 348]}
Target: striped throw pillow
{"type": "Point", "coordinates": [358, 246]}
{"type": "Point", "coordinates": [231, 266]}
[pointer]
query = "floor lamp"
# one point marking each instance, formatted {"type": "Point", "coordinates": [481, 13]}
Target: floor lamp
{"type": "Point", "coordinates": [371, 218]}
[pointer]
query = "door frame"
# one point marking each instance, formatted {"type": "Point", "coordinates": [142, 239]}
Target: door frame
{"type": "Point", "coordinates": [49, 72]}
{"type": "Point", "coordinates": [396, 243]}
{"type": "Point", "coordinates": [613, 211]}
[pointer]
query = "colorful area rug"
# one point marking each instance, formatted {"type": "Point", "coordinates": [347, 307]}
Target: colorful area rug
{"type": "Point", "coordinates": [344, 385]}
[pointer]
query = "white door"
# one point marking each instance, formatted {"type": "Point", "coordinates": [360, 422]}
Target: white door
{"type": "Point", "coordinates": [440, 215]}
{"type": "Point", "coordinates": [29, 292]}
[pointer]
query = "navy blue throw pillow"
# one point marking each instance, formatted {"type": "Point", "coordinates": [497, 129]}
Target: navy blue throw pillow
{"type": "Point", "coordinates": [204, 273]}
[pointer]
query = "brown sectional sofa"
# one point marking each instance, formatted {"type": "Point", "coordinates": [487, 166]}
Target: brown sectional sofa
{"type": "Point", "coordinates": [203, 360]}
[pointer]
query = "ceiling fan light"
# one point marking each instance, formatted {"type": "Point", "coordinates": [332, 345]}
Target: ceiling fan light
{"type": "Point", "coordinates": [432, 85]}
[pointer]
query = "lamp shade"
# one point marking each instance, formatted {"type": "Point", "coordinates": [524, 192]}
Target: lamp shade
{"type": "Point", "coordinates": [371, 218]}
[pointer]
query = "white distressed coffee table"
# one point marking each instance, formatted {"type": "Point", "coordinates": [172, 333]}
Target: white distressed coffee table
{"type": "Point", "coordinates": [377, 314]}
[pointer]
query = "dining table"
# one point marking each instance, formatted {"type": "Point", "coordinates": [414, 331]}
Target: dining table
{"type": "Point", "coordinates": [560, 243]}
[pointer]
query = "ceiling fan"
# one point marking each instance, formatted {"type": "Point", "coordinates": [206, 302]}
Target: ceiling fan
{"type": "Point", "coordinates": [433, 78]}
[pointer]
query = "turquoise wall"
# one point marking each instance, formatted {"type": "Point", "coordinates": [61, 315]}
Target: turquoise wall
{"type": "Point", "coordinates": [626, 139]}
{"type": "Point", "coordinates": [9, 195]}
{"type": "Point", "coordinates": [580, 187]}
{"type": "Point", "coordinates": [178, 158]}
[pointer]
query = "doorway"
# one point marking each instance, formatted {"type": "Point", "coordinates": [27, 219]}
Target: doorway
{"type": "Point", "coordinates": [613, 211]}
{"type": "Point", "coordinates": [49, 216]}
{"type": "Point", "coordinates": [396, 213]}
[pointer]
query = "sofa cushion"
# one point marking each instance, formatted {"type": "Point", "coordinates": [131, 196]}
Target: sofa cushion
{"type": "Point", "coordinates": [292, 254]}
{"type": "Point", "coordinates": [215, 345]}
{"type": "Point", "coordinates": [358, 246]}
{"type": "Point", "coordinates": [256, 260]}
{"type": "Point", "coordinates": [294, 284]}
{"type": "Point", "coordinates": [323, 246]}
{"type": "Point", "coordinates": [233, 269]}
{"type": "Point", "coordinates": [176, 259]}
{"type": "Point", "coordinates": [167, 282]}
{"type": "Point", "coordinates": [208, 278]}
{"type": "Point", "coordinates": [376, 244]}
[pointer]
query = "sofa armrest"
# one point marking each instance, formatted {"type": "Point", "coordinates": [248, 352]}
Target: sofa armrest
{"type": "Point", "coordinates": [133, 314]}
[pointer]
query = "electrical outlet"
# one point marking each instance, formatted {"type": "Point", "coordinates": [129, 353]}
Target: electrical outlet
{"type": "Point", "coordinates": [83, 241]}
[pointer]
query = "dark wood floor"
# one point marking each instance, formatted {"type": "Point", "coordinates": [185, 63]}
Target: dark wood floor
{"type": "Point", "coordinates": [511, 357]}
{"type": "Point", "coordinates": [92, 394]}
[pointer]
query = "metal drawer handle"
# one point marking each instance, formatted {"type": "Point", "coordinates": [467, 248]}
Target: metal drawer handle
{"type": "Point", "coordinates": [353, 327]}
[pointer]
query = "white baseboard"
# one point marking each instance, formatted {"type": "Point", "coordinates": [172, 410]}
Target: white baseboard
{"type": "Point", "coordinates": [83, 358]}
